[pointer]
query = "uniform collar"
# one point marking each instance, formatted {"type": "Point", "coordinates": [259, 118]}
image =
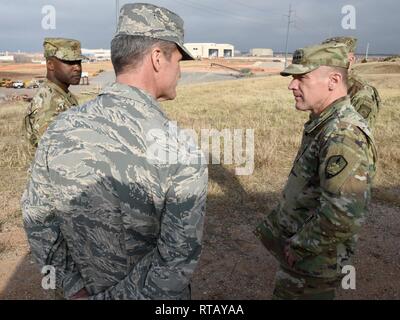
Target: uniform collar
{"type": "Point", "coordinates": [334, 108]}
{"type": "Point", "coordinates": [353, 78]}
{"type": "Point", "coordinates": [56, 87]}
{"type": "Point", "coordinates": [132, 93]}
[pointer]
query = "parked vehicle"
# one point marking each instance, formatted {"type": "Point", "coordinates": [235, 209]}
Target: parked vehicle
{"type": "Point", "coordinates": [18, 84]}
{"type": "Point", "coordinates": [33, 84]}
{"type": "Point", "coordinates": [6, 82]}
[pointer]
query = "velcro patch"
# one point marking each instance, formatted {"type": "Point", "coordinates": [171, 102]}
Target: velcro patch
{"type": "Point", "coordinates": [298, 56]}
{"type": "Point", "coordinates": [364, 112]}
{"type": "Point", "coordinates": [334, 166]}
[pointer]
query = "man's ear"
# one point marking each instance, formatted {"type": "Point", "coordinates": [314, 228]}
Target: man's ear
{"type": "Point", "coordinates": [352, 59]}
{"type": "Point", "coordinates": [50, 64]}
{"type": "Point", "coordinates": [156, 58]}
{"type": "Point", "coordinates": [335, 79]}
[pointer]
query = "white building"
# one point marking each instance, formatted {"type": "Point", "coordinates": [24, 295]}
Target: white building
{"type": "Point", "coordinates": [261, 52]}
{"type": "Point", "coordinates": [5, 57]}
{"type": "Point", "coordinates": [97, 54]}
{"type": "Point", "coordinates": [210, 50]}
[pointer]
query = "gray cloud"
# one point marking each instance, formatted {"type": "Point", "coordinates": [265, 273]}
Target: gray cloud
{"type": "Point", "coordinates": [245, 24]}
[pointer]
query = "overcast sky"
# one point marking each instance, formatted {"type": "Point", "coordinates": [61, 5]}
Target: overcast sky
{"type": "Point", "coordinates": [244, 23]}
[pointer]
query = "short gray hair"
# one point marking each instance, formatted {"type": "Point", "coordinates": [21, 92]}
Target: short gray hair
{"type": "Point", "coordinates": [128, 51]}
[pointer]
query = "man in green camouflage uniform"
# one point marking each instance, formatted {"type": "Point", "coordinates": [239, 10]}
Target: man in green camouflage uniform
{"type": "Point", "coordinates": [364, 97]}
{"type": "Point", "coordinates": [313, 231]}
{"type": "Point", "coordinates": [116, 201]}
{"type": "Point", "coordinates": [63, 62]}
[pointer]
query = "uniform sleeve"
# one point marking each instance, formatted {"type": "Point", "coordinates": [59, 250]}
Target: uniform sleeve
{"type": "Point", "coordinates": [47, 244]}
{"type": "Point", "coordinates": [366, 102]}
{"type": "Point", "coordinates": [165, 272]}
{"type": "Point", "coordinates": [45, 115]}
{"type": "Point", "coordinates": [43, 110]}
{"type": "Point", "coordinates": [345, 179]}
{"type": "Point", "coordinates": [31, 120]}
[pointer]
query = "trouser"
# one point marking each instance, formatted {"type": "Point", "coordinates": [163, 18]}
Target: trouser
{"type": "Point", "coordinates": [291, 285]}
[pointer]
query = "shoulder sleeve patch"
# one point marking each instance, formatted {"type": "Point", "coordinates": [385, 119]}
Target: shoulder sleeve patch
{"type": "Point", "coordinates": [339, 161]}
{"type": "Point", "coordinates": [364, 111]}
{"type": "Point", "coordinates": [335, 165]}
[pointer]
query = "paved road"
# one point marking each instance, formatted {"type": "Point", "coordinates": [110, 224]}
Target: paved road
{"type": "Point", "coordinates": [187, 78]}
{"type": "Point", "coordinates": [105, 78]}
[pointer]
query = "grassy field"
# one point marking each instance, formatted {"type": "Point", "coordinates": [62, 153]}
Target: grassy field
{"type": "Point", "coordinates": [235, 203]}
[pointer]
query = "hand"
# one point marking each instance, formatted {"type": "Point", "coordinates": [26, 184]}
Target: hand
{"type": "Point", "coordinates": [290, 258]}
{"type": "Point", "coordinates": [80, 295]}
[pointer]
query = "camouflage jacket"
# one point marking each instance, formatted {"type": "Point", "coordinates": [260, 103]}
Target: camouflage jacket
{"type": "Point", "coordinates": [365, 99]}
{"type": "Point", "coordinates": [327, 193]}
{"type": "Point", "coordinates": [108, 214]}
{"type": "Point", "coordinates": [47, 103]}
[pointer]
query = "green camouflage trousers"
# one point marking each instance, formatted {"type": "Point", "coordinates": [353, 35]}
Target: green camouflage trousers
{"type": "Point", "coordinates": [290, 285]}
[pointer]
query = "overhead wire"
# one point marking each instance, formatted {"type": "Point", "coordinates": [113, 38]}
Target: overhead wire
{"type": "Point", "coordinates": [219, 12]}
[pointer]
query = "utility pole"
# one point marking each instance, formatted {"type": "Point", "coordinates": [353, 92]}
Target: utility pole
{"type": "Point", "coordinates": [366, 53]}
{"type": "Point", "coordinates": [290, 21]}
{"type": "Point", "coordinates": [116, 14]}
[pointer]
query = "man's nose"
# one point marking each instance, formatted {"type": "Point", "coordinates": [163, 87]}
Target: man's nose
{"type": "Point", "coordinates": [293, 84]}
{"type": "Point", "coordinates": [77, 67]}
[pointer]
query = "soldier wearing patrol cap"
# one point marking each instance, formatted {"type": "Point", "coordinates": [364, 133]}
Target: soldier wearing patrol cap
{"type": "Point", "coordinates": [109, 203]}
{"type": "Point", "coordinates": [63, 62]}
{"type": "Point", "coordinates": [313, 231]}
{"type": "Point", "coordinates": [364, 97]}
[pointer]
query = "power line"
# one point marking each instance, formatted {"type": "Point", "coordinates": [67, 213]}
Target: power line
{"type": "Point", "coordinates": [117, 14]}
{"type": "Point", "coordinates": [290, 21]}
{"type": "Point", "coordinates": [245, 5]}
{"type": "Point", "coordinates": [219, 12]}
{"type": "Point", "coordinates": [298, 22]}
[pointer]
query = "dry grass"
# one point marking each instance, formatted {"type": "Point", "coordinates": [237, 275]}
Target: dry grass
{"type": "Point", "coordinates": [4, 248]}
{"type": "Point", "coordinates": [378, 68]}
{"type": "Point", "coordinates": [14, 152]}
{"type": "Point", "coordinates": [260, 104]}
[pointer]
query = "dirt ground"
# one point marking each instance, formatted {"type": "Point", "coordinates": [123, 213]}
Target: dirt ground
{"type": "Point", "coordinates": [234, 265]}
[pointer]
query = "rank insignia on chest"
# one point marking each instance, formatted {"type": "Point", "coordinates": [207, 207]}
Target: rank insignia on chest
{"type": "Point", "coordinates": [335, 165]}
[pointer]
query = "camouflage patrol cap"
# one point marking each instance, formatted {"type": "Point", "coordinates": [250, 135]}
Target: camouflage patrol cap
{"type": "Point", "coordinates": [142, 19]}
{"type": "Point", "coordinates": [63, 49]}
{"type": "Point", "coordinates": [308, 59]}
{"type": "Point", "coordinates": [350, 42]}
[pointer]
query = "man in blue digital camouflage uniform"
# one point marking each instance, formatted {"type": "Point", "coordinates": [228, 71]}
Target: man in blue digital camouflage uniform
{"type": "Point", "coordinates": [105, 204]}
